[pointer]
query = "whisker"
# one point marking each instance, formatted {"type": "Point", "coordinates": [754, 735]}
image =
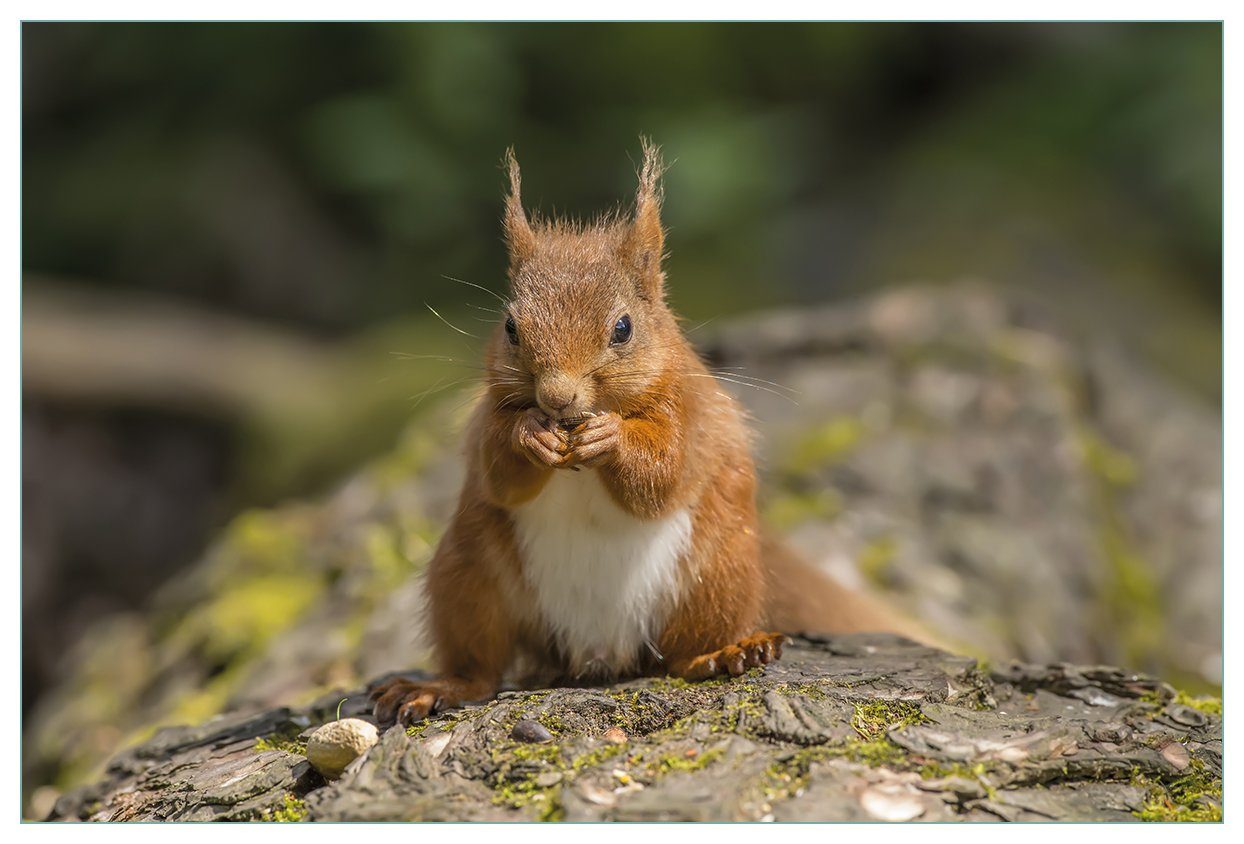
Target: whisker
{"type": "Point", "coordinates": [439, 386]}
{"type": "Point", "coordinates": [470, 399]}
{"type": "Point", "coordinates": [447, 322]}
{"type": "Point", "coordinates": [438, 359]}
{"type": "Point", "coordinates": [491, 293]}
{"type": "Point", "coordinates": [409, 356]}
{"type": "Point", "coordinates": [742, 384]}
{"type": "Point", "coordinates": [759, 380]}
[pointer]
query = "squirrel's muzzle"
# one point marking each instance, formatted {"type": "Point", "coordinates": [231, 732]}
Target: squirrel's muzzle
{"type": "Point", "coordinates": [560, 395]}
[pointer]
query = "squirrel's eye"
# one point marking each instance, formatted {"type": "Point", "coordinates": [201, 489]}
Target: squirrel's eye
{"type": "Point", "coordinates": [511, 330]}
{"type": "Point", "coordinates": [621, 331]}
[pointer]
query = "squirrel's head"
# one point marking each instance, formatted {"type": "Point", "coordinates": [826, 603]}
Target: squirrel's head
{"type": "Point", "coordinates": [586, 327]}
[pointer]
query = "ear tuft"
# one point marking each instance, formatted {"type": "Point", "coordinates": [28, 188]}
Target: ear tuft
{"type": "Point", "coordinates": [519, 238]}
{"type": "Point", "coordinates": [646, 239]}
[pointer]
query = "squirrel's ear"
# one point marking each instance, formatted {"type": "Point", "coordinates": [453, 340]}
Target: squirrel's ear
{"type": "Point", "coordinates": [519, 238]}
{"type": "Point", "coordinates": [646, 239]}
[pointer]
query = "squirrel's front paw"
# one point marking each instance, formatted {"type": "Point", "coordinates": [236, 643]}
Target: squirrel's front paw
{"type": "Point", "coordinates": [406, 701]}
{"type": "Point", "coordinates": [535, 439]}
{"type": "Point", "coordinates": [594, 440]}
{"type": "Point", "coordinates": [755, 650]}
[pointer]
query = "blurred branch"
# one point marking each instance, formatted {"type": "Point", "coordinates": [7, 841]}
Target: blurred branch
{"type": "Point", "coordinates": [304, 412]}
{"type": "Point", "coordinates": [83, 344]}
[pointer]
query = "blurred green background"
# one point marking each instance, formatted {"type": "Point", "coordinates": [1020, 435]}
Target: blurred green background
{"type": "Point", "coordinates": [229, 229]}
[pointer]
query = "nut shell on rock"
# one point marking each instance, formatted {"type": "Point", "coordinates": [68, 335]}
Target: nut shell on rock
{"type": "Point", "coordinates": [338, 743]}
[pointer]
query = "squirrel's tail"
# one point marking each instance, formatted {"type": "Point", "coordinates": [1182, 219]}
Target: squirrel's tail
{"type": "Point", "coordinates": [803, 599]}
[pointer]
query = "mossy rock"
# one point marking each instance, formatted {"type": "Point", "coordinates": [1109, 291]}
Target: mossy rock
{"type": "Point", "coordinates": [842, 728]}
{"type": "Point", "coordinates": [947, 449]}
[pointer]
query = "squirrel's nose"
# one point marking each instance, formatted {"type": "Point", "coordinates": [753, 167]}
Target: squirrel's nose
{"type": "Point", "coordinates": [554, 404]}
{"type": "Point", "coordinates": [556, 394]}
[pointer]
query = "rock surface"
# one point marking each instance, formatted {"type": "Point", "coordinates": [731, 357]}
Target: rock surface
{"type": "Point", "coordinates": [1024, 495]}
{"type": "Point", "coordinates": [842, 728]}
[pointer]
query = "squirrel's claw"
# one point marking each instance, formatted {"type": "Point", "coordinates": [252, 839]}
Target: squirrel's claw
{"type": "Point", "coordinates": [595, 439]}
{"type": "Point", "coordinates": [536, 441]}
{"type": "Point", "coordinates": [751, 652]}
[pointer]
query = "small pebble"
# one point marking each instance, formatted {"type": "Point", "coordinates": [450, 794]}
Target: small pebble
{"type": "Point", "coordinates": [532, 732]}
{"type": "Point", "coordinates": [1177, 755]}
{"type": "Point", "coordinates": [890, 802]}
{"type": "Point", "coordinates": [338, 743]}
{"type": "Point", "coordinates": [615, 735]}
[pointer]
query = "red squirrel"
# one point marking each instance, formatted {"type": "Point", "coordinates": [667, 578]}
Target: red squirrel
{"type": "Point", "coordinates": [607, 525]}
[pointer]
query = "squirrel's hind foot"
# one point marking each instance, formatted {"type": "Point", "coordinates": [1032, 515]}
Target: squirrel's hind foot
{"type": "Point", "coordinates": [755, 650]}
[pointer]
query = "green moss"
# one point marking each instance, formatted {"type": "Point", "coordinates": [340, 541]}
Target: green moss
{"type": "Point", "coordinates": [1115, 467]}
{"type": "Point", "coordinates": [826, 444]}
{"type": "Point", "coordinates": [1163, 811]}
{"type": "Point", "coordinates": [1196, 796]}
{"type": "Point", "coordinates": [383, 545]}
{"type": "Point", "coordinates": [520, 794]}
{"type": "Point", "coordinates": [675, 763]}
{"type": "Point", "coordinates": [595, 757]}
{"type": "Point", "coordinates": [669, 684]}
{"type": "Point", "coordinates": [732, 713]}
{"type": "Point", "coordinates": [1155, 697]}
{"type": "Point", "coordinates": [938, 770]}
{"type": "Point", "coordinates": [873, 719]}
{"type": "Point", "coordinates": [532, 752]}
{"type": "Point", "coordinates": [552, 722]}
{"type": "Point", "coordinates": [264, 541]}
{"type": "Point", "coordinates": [787, 777]}
{"type": "Point", "coordinates": [979, 773]}
{"type": "Point", "coordinates": [1131, 598]}
{"type": "Point", "coordinates": [877, 753]}
{"type": "Point", "coordinates": [551, 808]}
{"type": "Point", "coordinates": [789, 509]}
{"type": "Point", "coordinates": [876, 559]}
{"type": "Point", "coordinates": [810, 691]}
{"type": "Point", "coordinates": [1207, 704]}
{"type": "Point", "coordinates": [283, 743]}
{"type": "Point", "coordinates": [520, 767]}
{"type": "Point", "coordinates": [257, 592]}
{"type": "Point", "coordinates": [416, 446]}
{"type": "Point", "coordinates": [230, 631]}
{"type": "Point", "coordinates": [980, 694]}
{"type": "Point", "coordinates": [244, 616]}
{"type": "Point", "coordinates": [204, 703]}
{"type": "Point", "coordinates": [292, 811]}
{"type": "Point", "coordinates": [258, 587]}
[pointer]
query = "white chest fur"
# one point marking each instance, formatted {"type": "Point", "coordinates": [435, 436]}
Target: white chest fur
{"type": "Point", "coordinates": [604, 581]}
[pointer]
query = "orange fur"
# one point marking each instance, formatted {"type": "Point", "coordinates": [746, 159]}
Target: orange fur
{"type": "Point", "coordinates": [650, 420]}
